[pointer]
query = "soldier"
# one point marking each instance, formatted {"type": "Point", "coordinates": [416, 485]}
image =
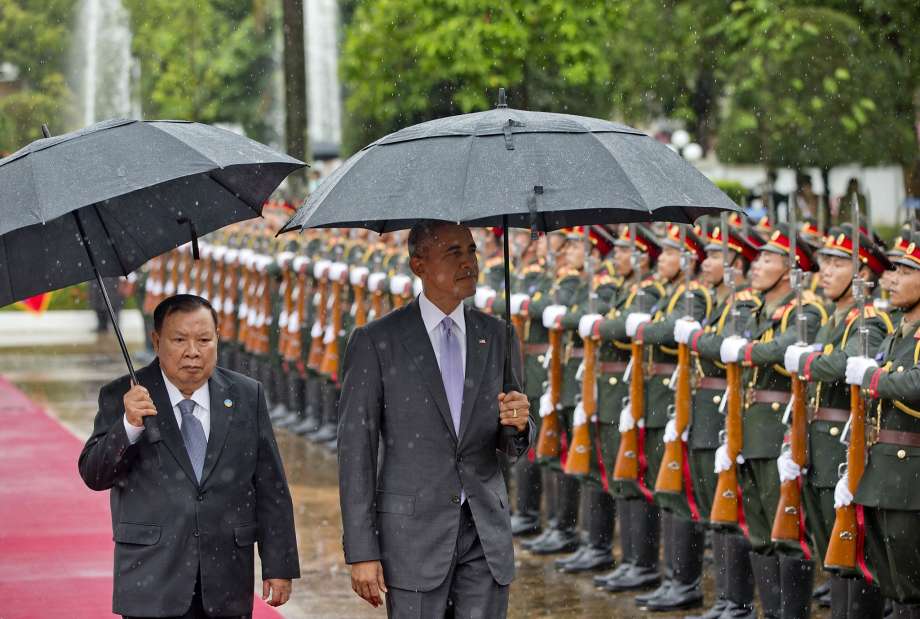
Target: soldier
{"type": "Point", "coordinates": [569, 288]}
{"type": "Point", "coordinates": [633, 261]}
{"type": "Point", "coordinates": [824, 368]}
{"type": "Point", "coordinates": [767, 334]}
{"type": "Point", "coordinates": [730, 549]}
{"type": "Point", "coordinates": [886, 498]}
{"type": "Point", "coordinates": [682, 252]}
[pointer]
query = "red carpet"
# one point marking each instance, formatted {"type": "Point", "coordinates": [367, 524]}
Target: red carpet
{"type": "Point", "coordinates": [56, 549]}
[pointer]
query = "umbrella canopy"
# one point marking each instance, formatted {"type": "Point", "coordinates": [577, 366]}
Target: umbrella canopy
{"type": "Point", "coordinates": [540, 170]}
{"type": "Point", "coordinates": [124, 191]}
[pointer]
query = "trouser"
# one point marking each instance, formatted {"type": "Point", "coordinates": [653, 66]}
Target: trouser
{"type": "Point", "coordinates": [702, 471]}
{"type": "Point", "coordinates": [891, 551]}
{"type": "Point", "coordinates": [819, 516]}
{"type": "Point", "coordinates": [469, 590]}
{"type": "Point", "coordinates": [196, 608]}
{"type": "Point", "coordinates": [759, 480]}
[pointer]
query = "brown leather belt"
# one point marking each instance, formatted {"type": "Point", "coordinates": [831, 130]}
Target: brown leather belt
{"type": "Point", "coordinates": [611, 367]}
{"type": "Point", "coordinates": [716, 384]}
{"type": "Point", "coordinates": [838, 415]}
{"type": "Point", "coordinates": [896, 437]}
{"type": "Point", "coordinates": [535, 349]}
{"type": "Point", "coordinates": [763, 395]}
{"type": "Point", "coordinates": [661, 369]}
{"type": "Point", "coordinates": [577, 353]}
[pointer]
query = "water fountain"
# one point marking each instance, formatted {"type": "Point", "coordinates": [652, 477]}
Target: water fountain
{"type": "Point", "coordinates": [103, 69]}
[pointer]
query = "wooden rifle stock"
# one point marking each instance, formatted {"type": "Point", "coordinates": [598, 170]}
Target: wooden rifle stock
{"type": "Point", "coordinates": [626, 467]}
{"type": "Point", "coordinates": [548, 442]}
{"type": "Point", "coordinates": [360, 305]}
{"type": "Point", "coordinates": [315, 359]}
{"type": "Point", "coordinates": [295, 322]}
{"type": "Point", "coordinates": [578, 461]}
{"type": "Point", "coordinates": [841, 551]}
{"type": "Point", "coordinates": [377, 304]}
{"type": "Point", "coordinates": [231, 289]}
{"type": "Point", "coordinates": [287, 306]}
{"type": "Point", "coordinates": [789, 509]}
{"type": "Point", "coordinates": [670, 474]}
{"type": "Point", "coordinates": [725, 502]}
{"type": "Point", "coordinates": [330, 363]}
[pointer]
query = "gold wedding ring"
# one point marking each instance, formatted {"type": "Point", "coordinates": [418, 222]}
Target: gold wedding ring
{"type": "Point", "coordinates": [514, 413]}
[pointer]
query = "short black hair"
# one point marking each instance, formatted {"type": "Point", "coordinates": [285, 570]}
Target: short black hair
{"type": "Point", "coordinates": [421, 232]}
{"type": "Point", "coordinates": [180, 303]}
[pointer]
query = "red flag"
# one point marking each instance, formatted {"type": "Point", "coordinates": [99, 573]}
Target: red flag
{"type": "Point", "coordinates": [37, 304]}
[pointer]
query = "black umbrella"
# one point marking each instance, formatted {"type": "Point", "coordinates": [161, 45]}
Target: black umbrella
{"type": "Point", "coordinates": [103, 200]}
{"type": "Point", "coordinates": [508, 167]}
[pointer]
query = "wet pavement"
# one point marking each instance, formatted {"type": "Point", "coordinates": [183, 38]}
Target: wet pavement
{"type": "Point", "coordinates": [66, 380]}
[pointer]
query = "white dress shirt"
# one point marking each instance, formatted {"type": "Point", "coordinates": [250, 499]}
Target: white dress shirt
{"type": "Point", "coordinates": [201, 397]}
{"type": "Point", "coordinates": [432, 317]}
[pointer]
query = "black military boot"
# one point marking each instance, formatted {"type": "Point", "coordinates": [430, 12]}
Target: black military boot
{"type": "Point", "coordinates": [720, 576]}
{"type": "Point", "coordinates": [597, 554]}
{"type": "Point", "coordinates": [332, 444]}
{"type": "Point", "coordinates": [822, 594]}
{"type": "Point", "coordinates": [550, 482]}
{"type": "Point", "coordinates": [528, 486]}
{"type": "Point", "coordinates": [667, 543]}
{"type": "Point", "coordinates": [688, 541]}
{"type": "Point", "coordinates": [645, 523]}
{"type": "Point", "coordinates": [563, 537]}
{"type": "Point", "coordinates": [739, 581]}
{"type": "Point", "coordinates": [797, 579]}
{"type": "Point", "coordinates": [312, 421]}
{"type": "Point", "coordinates": [766, 575]}
{"type": "Point", "coordinates": [327, 430]}
{"type": "Point", "coordinates": [627, 551]}
{"type": "Point", "coordinates": [865, 600]}
{"type": "Point", "coordinates": [279, 387]}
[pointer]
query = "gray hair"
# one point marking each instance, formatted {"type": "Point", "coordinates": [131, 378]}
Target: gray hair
{"type": "Point", "coordinates": [421, 233]}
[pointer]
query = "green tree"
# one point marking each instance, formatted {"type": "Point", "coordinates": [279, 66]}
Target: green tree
{"type": "Point", "coordinates": [405, 61]}
{"type": "Point", "coordinates": [808, 88]}
{"type": "Point", "coordinates": [36, 36]}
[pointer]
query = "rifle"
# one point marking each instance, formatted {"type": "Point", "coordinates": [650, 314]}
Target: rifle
{"type": "Point", "coordinates": [626, 467]}
{"type": "Point", "coordinates": [295, 320]}
{"type": "Point", "coordinates": [788, 523]}
{"type": "Point", "coordinates": [841, 551]}
{"type": "Point", "coordinates": [287, 306]}
{"type": "Point", "coordinates": [330, 363]}
{"type": "Point", "coordinates": [360, 304]}
{"type": "Point", "coordinates": [315, 359]}
{"type": "Point", "coordinates": [578, 461]}
{"type": "Point", "coordinates": [670, 473]}
{"type": "Point", "coordinates": [725, 507]}
{"type": "Point", "coordinates": [548, 442]}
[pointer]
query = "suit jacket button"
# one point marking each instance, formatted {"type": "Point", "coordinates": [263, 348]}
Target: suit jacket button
{"type": "Point", "coordinates": [455, 499]}
{"type": "Point", "coordinates": [195, 533]}
{"type": "Point", "coordinates": [613, 380]}
{"type": "Point", "coordinates": [835, 431]}
{"type": "Point", "coordinates": [200, 498]}
{"type": "Point", "coordinates": [716, 399]}
{"type": "Point", "coordinates": [775, 406]}
{"type": "Point", "coordinates": [901, 454]}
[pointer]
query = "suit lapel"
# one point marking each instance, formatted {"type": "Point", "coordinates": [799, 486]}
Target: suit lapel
{"type": "Point", "coordinates": [477, 352]}
{"type": "Point", "coordinates": [166, 418]}
{"type": "Point", "coordinates": [221, 416]}
{"type": "Point", "coordinates": [417, 342]}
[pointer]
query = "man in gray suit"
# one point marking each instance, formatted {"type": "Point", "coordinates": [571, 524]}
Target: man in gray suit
{"type": "Point", "coordinates": [426, 520]}
{"type": "Point", "coordinates": [190, 501]}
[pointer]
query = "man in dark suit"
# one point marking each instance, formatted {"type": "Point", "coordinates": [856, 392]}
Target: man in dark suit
{"type": "Point", "coordinates": [426, 520]}
{"type": "Point", "coordinates": [195, 488]}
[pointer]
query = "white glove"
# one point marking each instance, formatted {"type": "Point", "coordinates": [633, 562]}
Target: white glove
{"type": "Point", "coordinates": [579, 418]}
{"type": "Point", "coordinates": [337, 270]}
{"type": "Point", "coordinates": [231, 255]}
{"type": "Point", "coordinates": [375, 281]}
{"type": "Point", "coordinates": [298, 263]}
{"type": "Point", "coordinates": [842, 494]}
{"type": "Point", "coordinates": [627, 422]}
{"type": "Point", "coordinates": [793, 356]}
{"type": "Point", "coordinates": [634, 320]}
{"type": "Point", "coordinates": [788, 469]}
{"type": "Point", "coordinates": [317, 330]}
{"type": "Point", "coordinates": [293, 322]}
{"type": "Point", "coordinates": [586, 324]}
{"type": "Point", "coordinates": [358, 276]}
{"type": "Point", "coordinates": [517, 302]}
{"type": "Point", "coordinates": [723, 461]}
{"type": "Point", "coordinates": [218, 252]}
{"type": "Point", "coordinates": [284, 258]}
{"type": "Point", "coordinates": [483, 296]}
{"type": "Point", "coordinates": [857, 368]}
{"type": "Point", "coordinates": [670, 432]}
{"type": "Point", "coordinates": [329, 335]}
{"type": "Point", "coordinates": [546, 405]}
{"type": "Point", "coordinates": [731, 348]}
{"type": "Point", "coordinates": [320, 268]}
{"type": "Point", "coordinates": [684, 328]}
{"type": "Point", "coordinates": [399, 284]}
{"type": "Point", "coordinates": [552, 314]}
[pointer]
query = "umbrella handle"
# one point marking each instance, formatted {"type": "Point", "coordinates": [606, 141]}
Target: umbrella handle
{"type": "Point", "coordinates": [508, 432]}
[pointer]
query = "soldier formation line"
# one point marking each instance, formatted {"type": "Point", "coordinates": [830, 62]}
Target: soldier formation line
{"type": "Point", "coordinates": [749, 384]}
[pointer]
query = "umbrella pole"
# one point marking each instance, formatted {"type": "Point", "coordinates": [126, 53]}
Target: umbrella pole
{"type": "Point", "coordinates": [508, 378]}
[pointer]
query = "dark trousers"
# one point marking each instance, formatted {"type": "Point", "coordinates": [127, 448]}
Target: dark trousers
{"type": "Point", "coordinates": [196, 608]}
{"type": "Point", "coordinates": [469, 590]}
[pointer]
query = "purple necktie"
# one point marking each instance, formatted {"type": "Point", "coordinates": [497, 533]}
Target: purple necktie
{"type": "Point", "coordinates": [452, 369]}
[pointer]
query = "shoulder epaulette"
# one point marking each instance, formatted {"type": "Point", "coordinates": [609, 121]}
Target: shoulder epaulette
{"type": "Point", "coordinates": [747, 295]}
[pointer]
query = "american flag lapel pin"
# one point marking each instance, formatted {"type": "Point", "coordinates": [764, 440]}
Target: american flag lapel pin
{"type": "Point", "coordinates": [482, 341]}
